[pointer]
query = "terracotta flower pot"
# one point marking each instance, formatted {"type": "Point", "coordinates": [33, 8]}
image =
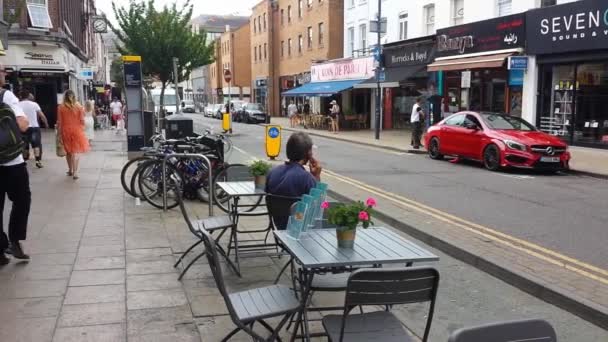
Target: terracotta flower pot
{"type": "Point", "coordinates": [260, 182]}
{"type": "Point", "coordinates": [346, 237]}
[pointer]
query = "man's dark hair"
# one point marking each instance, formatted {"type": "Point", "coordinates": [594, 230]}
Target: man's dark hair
{"type": "Point", "coordinates": [298, 146]}
{"type": "Point", "coordinates": [419, 99]}
{"type": "Point", "coordinates": [24, 94]}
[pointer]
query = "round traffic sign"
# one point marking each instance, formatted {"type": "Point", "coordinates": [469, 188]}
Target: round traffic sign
{"type": "Point", "coordinates": [227, 75]}
{"type": "Point", "coordinates": [273, 132]}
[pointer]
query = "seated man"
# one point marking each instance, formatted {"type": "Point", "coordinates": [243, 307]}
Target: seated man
{"type": "Point", "coordinates": [290, 181]}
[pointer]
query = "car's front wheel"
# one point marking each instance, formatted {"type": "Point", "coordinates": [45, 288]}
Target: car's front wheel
{"type": "Point", "coordinates": [434, 151]}
{"type": "Point", "coordinates": [491, 158]}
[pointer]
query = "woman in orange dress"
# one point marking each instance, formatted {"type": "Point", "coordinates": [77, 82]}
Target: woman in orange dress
{"type": "Point", "coordinates": [70, 122]}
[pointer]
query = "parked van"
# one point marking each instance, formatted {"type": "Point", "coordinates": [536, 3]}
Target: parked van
{"type": "Point", "coordinates": [169, 103]}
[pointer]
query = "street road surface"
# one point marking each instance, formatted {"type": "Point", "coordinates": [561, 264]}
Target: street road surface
{"type": "Point", "coordinates": [565, 213]}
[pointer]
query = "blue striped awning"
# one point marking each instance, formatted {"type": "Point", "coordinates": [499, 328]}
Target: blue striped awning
{"type": "Point", "coordinates": [321, 88]}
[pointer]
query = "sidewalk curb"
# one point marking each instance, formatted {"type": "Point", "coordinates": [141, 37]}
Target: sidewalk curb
{"type": "Point", "coordinates": [572, 303]}
{"type": "Point", "coordinates": [412, 151]}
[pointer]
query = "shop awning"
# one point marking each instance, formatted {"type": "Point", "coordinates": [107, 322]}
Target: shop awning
{"type": "Point", "coordinates": [395, 76]}
{"type": "Point", "coordinates": [321, 88]}
{"type": "Point", "coordinates": [479, 62]}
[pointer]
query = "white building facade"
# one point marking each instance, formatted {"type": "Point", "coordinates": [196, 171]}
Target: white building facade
{"type": "Point", "coordinates": [413, 19]}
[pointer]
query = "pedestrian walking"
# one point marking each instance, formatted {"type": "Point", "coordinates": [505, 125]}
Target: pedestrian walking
{"type": "Point", "coordinates": [15, 182]}
{"type": "Point", "coordinates": [116, 108]}
{"type": "Point", "coordinates": [417, 120]}
{"type": "Point", "coordinates": [334, 114]}
{"type": "Point", "coordinates": [32, 135]}
{"type": "Point", "coordinates": [89, 120]}
{"type": "Point", "coordinates": [292, 112]}
{"type": "Point", "coordinates": [306, 114]}
{"type": "Point", "coordinates": [70, 123]}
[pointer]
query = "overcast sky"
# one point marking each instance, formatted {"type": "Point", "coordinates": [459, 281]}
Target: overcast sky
{"type": "Point", "coordinates": [239, 7]}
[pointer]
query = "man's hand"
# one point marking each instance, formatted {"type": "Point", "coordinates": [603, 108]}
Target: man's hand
{"type": "Point", "coordinates": [23, 123]}
{"type": "Point", "coordinates": [315, 168]}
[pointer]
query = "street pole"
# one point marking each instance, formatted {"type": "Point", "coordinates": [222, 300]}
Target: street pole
{"type": "Point", "coordinates": [177, 101]}
{"type": "Point", "coordinates": [378, 90]}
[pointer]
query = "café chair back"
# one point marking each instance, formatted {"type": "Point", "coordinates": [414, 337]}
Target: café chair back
{"type": "Point", "coordinates": [382, 287]}
{"type": "Point", "coordinates": [536, 330]}
{"type": "Point", "coordinates": [252, 306]}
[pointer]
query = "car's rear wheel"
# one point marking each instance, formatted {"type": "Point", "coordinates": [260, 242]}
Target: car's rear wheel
{"type": "Point", "coordinates": [491, 158]}
{"type": "Point", "coordinates": [434, 151]}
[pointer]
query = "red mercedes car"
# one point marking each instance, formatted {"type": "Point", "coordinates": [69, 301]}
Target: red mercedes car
{"type": "Point", "coordinates": [496, 140]}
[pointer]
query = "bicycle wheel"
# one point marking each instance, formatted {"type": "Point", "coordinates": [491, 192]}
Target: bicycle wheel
{"type": "Point", "coordinates": [233, 173]}
{"type": "Point", "coordinates": [227, 147]}
{"type": "Point", "coordinates": [151, 184]}
{"type": "Point", "coordinates": [128, 171]}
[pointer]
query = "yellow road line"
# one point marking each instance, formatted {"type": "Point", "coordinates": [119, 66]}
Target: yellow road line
{"type": "Point", "coordinates": [502, 238]}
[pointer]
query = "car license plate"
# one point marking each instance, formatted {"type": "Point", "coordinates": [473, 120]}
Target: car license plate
{"type": "Point", "coordinates": [549, 159]}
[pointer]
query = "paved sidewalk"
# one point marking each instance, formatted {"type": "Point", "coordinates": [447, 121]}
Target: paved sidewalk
{"type": "Point", "coordinates": [585, 160]}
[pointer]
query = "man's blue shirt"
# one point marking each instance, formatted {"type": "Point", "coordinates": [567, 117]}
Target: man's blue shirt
{"type": "Point", "coordinates": [290, 179]}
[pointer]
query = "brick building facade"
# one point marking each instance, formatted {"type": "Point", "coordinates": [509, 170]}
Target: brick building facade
{"type": "Point", "coordinates": [236, 57]}
{"type": "Point", "coordinates": [296, 34]}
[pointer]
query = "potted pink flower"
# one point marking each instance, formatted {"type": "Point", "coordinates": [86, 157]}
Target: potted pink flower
{"type": "Point", "coordinates": [348, 217]}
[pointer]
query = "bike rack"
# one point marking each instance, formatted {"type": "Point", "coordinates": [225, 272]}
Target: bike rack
{"type": "Point", "coordinates": [187, 155]}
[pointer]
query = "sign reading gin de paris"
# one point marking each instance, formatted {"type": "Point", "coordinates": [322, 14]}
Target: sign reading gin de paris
{"type": "Point", "coordinates": [577, 26]}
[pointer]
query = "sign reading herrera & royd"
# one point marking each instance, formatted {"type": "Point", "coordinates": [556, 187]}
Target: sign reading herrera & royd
{"type": "Point", "coordinates": [577, 26]}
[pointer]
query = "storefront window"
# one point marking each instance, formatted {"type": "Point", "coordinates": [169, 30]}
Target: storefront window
{"type": "Point", "coordinates": [591, 118]}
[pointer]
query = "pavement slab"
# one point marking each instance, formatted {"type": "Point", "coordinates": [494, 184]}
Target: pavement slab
{"type": "Point", "coordinates": [97, 277]}
{"type": "Point", "coordinates": [92, 314]}
{"type": "Point", "coordinates": [92, 333]}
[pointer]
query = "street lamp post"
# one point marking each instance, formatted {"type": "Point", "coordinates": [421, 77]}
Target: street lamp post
{"type": "Point", "coordinates": [177, 101]}
{"type": "Point", "coordinates": [378, 70]}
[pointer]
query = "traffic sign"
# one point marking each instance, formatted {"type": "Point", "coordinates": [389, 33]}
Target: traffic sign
{"type": "Point", "coordinates": [381, 76]}
{"type": "Point", "coordinates": [273, 141]}
{"type": "Point", "coordinates": [227, 75]}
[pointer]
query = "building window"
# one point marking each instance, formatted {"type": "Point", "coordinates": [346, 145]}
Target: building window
{"type": "Point", "coordinates": [289, 47]}
{"type": "Point", "coordinates": [288, 14]}
{"type": "Point", "coordinates": [504, 7]}
{"type": "Point", "coordinates": [282, 16]}
{"type": "Point", "coordinates": [351, 41]}
{"type": "Point", "coordinates": [320, 34]}
{"type": "Point", "coordinates": [265, 52]}
{"type": "Point", "coordinates": [300, 44]}
{"type": "Point", "coordinates": [255, 53]}
{"type": "Point", "coordinates": [265, 19]}
{"type": "Point", "coordinates": [259, 24]}
{"type": "Point", "coordinates": [363, 36]}
{"type": "Point", "coordinates": [547, 3]}
{"type": "Point", "coordinates": [39, 14]}
{"type": "Point", "coordinates": [299, 8]}
{"type": "Point", "coordinates": [282, 48]}
{"type": "Point", "coordinates": [457, 12]}
{"type": "Point", "coordinates": [260, 52]}
{"type": "Point", "coordinates": [403, 26]}
{"type": "Point", "coordinates": [309, 37]}
{"type": "Point", "coordinates": [429, 19]}
{"type": "Point", "coordinates": [351, 3]}
{"type": "Point", "coordinates": [254, 25]}
{"type": "Point", "coordinates": [309, 4]}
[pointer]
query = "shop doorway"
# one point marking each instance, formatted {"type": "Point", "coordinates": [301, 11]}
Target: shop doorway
{"type": "Point", "coordinates": [46, 97]}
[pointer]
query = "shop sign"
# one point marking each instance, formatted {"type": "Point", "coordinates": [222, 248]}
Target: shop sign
{"type": "Point", "coordinates": [348, 69]}
{"type": "Point", "coordinates": [517, 63]}
{"type": "Point", "coordinates": [410, 54]}
{"type": "Point", "coordinates": [582, 25]}
{"type": "Point", "coordinates": [303, 78]}
{"type": "Point", "coordinates": [502, 33]}
{"type": "Point", "coordinates": [516, 77]}
{"type": "Point", "coordinates": [260, 83]}
{"type": "Point", "coordinates": [465, 79]}
{"type": "Point", "coordinates": [42, 58]}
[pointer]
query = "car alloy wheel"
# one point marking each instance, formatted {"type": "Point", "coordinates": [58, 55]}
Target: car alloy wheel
{"type": "Point", "coordinates": [491, 158]}
{"type": "Point", "coordinates": [434, 149]}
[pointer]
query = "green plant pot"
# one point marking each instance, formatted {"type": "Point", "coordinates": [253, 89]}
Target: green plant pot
{"type": "Point", "coordinates": [260, 182]}
{"type": "Point", "coordinates": [346, 237]}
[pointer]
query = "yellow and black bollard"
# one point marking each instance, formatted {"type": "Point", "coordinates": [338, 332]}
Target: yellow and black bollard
{"type": "Point", "coordinates": [227, 122]}
{"type": "Point", "coordinates": [273, 141]}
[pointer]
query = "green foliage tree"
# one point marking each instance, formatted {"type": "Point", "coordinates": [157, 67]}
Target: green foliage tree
{"type": "Point", "coordinates": [116, 73]}
{"type": "Point", "coordinates": [160, 35]}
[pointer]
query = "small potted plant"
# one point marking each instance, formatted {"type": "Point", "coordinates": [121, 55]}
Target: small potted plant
{"type": "Point", "coordinates": [259, 169]}
{"type": "Point", "coordinates": [347, 217]}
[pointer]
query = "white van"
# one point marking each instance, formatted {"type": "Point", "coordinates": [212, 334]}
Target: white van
{"type": "Point", "coordinates": [169, 103]}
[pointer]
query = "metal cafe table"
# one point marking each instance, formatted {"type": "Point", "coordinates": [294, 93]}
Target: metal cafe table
{"type": "Point", "coordinates": [316, 251]}
{"type": "Point", "coordinates": [236, 191]}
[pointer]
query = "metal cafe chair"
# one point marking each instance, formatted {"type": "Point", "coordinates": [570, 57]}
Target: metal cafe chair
{"type": "Point", "coordinates": [248, 307]}
{"type": "Point", "coordinates": [210, 224]}
{"type": "Point", "coordinates": [536, 330]}
{"type": "Point", "coordinates": [383, 287]}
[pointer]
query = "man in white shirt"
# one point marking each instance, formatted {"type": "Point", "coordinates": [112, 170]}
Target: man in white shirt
{"type": "Point", "coordinates": [17, 189]}
{"type": "Point", "coordinates": [32, 135]}
{"type": "Point", "coordinates": [416, 119]}
{"type": "Point", "coordinates": [117, 111]}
